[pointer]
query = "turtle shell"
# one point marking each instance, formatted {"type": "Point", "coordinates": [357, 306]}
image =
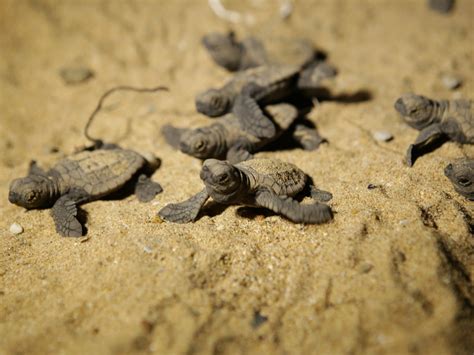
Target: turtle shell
{"type": "Point", "coordinates": [270, 77]}
{"type": "Point", "coordinates": [98, 172]}
{"type": "Point", "coordinates": [285, 179]}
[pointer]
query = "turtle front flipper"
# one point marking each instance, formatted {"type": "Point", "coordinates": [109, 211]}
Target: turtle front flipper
{"type": "Point", "coordinates": [251, 116]}
{"type": "Point", "coordinates": [186, 211]}
{"type": "Point", "coordinates": [64, 214]}
{"type": "Point", "coordinates": [307, 137]}
{"type": "Point", "coordinates": [146, 189]}
{"type": "Point", "coordinates": [424, 139]}
{"type": "Point", "coordinates": [173, 135]}
{"type": "Point", "coordinates": [314, 213]}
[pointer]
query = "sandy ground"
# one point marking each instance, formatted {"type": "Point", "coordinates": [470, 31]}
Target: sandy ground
{"type": "Point", "coordinates": [392, 274]}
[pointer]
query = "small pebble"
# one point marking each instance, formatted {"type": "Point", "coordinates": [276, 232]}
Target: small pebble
{"type": "Point", "coordinates": [382, 136]}
{"type": "Point", "coordinates": [365, 268]}
{"type": "Point", "coordinates": [451, 82]}
{"type": "Point", "coordinates": [76, 75]}
{"type": "Point", "coordinates": [16, 229]}
{"type": "Point", "coordinates": [371, 186]}
{"type": "Point", "coordinates": [442, 6]}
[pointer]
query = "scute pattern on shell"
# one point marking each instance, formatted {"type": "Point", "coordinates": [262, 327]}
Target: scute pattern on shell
{"type": "Point", "coordinates": [99, 172]}
{"type": "Point", "coordinates": [263, 76]}
{"type": "Point", "coordinates": [283, 178]}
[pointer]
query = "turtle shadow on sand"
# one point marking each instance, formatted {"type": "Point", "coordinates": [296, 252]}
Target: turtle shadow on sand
{"type": "Point", "coordinates": [361, 95]}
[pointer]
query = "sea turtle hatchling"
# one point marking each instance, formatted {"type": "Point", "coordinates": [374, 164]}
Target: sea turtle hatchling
{"type": "Point", "coordinates": [79, 178]}
{"type": "Point", "coordinates": [264, 183]}
{"type": "Point", "coordinates": [452, 119]}
{"type": "Point", "coordinates": [461, 175]}
{"type": "Point", "coordinates": [234, 55]}
{"type": "Point", "coordinates": [225, 139]}
{"type": "Point", "coordinates": [87, 175]}
{"type": "Point", "coordinates": [248, 89]}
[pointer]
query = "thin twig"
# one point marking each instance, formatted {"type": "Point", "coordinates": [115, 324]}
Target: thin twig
{"type": "Point", "coordinates": [105, 95]}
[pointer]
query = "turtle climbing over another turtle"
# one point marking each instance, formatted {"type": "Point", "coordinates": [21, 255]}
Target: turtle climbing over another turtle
{"type": "Point", "coordinates": [233, 55]}
{"type": "Point", "coordinates": [225, 139]}
{"type": "Point", "coordinates": [248, 89]}
{"type": "Point", "coordinates": [451, 119]}
{"type": "Point", "coordinates": [461, 175]}
{"type": "Point", "coordinates": [264, 183]}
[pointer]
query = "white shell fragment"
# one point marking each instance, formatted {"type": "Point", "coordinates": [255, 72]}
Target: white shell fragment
{"type": "Point", "coordinates": [450, 81]}
{"type": "Point", "coordinates": [16, 229]}
{"type": "Point", "coordinates": [382, 136]}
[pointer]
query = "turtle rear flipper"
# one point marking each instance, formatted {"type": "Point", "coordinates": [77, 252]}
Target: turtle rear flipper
{"type": "Point", "coordinates": [236, 154]}
{"type": "Point", "coordinates": [64, 214]}
{"type": "Point", "coordinates": [312, 76]}
{"type": "Point", "coordinates": [427, 136]}
{"type": "Point", "coordinates": [307, 137]}
{"type": "Point", "coordinates": [320, 195]}
{"type": "Point", "coordinates": [186, 211]}
{"type": "Point", "coordinates": [146, 189]}
{"type": "Point", "coordinates": [173, 135]}
{"type": "Point", "coordinates": [251, 116]}
{"type": "Point", "coordinates": [314, 213]}
{"type": "Point", "coordinates": [240, 151]}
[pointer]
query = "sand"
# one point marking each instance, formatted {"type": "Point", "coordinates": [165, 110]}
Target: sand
{"type": "Point", "coordinates": [392, 274]}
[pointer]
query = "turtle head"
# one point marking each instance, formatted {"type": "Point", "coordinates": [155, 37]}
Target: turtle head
{"type": "Point", "coordinates": [199, 143]}
{"type": "Point", "coordinates": [223, 181]}
{"type": "Point", "coordinates": [30, 192]}
{"type": "Point", "coordinates": [223, 49]}
{"type": "Point", "coordinates": [212, 103]}
{"type": "Point", "coordinates": [461, 174]}
{"type": "Point", "coordinates": [416, 110]}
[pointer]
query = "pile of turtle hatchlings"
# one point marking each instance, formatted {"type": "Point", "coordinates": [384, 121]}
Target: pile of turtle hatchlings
{"type": "Point", "coordinates": [264, 103]}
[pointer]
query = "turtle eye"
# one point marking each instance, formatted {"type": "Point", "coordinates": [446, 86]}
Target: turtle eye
{"type": "Point", "coordinates": [223, 178]}
{"type": "Point", "coordinates": [215, 101]}
{"type": "Point", "coordinates": [31, 196]}
{"type": "Point", "coordinates": [463, 181]}
{"type": "Point", "coordinates": [199, 145]}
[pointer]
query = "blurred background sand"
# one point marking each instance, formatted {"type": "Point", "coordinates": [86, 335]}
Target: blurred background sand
{"type": "Point", "coordinates": [391, 275]}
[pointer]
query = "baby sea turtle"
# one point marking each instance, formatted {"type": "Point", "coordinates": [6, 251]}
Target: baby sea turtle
{"type": "Point", "coordinates": [262, 85]}
{"type": "Point", "coordinates": [235, 55]}
{"type": "Point", "coordinates": [225, 139]}
{"type": "Point", "coordinates": [264, 183]}
{"type": "Point", "coordinates": [451, 119]}
{"type": "Point", "coordinates": [87, 175]}
{"type": "Point", "coordinates": [461, 174]}
{"type": "Point", "coordinates": [79, 178]}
